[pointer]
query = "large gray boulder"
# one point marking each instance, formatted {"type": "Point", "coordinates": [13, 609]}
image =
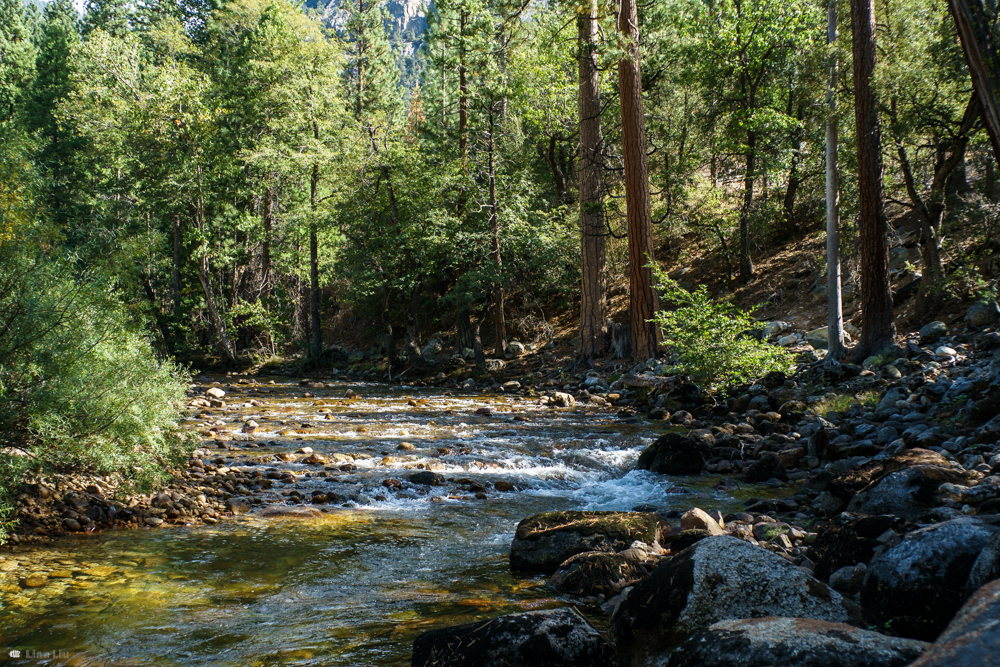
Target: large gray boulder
{"type": "Point", "coordinates": [550, 638]}
{"type": "Point", "coordinates": [719, 578]}
{"type": "Point", "coordinates": [544, 541]}
{"type": "Point", "coordinates": [915, 587]}
{"type": "Point", "coordinates": [905, 493]}
{"type": "Point", "coordinates": [800, 642]}
{"type": "Point", "coordinates": [982, 313]}
{"type": "Point", "coordinates": [972, 639]}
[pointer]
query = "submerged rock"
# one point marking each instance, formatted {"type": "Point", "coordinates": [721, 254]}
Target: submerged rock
{"type": "Point", "coordinates": [550, 638]}
{"type": "Point", "coordinates": [793, 641]}
{"type": "Point", "coordinates": [916, 586]}
{"type": "Point", "coordinates": [544, 541]}
{"type": "Point", "coordinates": [972, 639]}
{"type": "Point", "coordinates": [284, 512]}
{"type": "Point", "coordinates": [719, 578]}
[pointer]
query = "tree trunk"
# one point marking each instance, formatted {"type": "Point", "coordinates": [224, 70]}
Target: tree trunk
{"type": "Point", "coordinates": [558, 177]}
{"type": "Point", "coordinates": [463, 93]}
{"type": "Point", "coordinates": [265, 261]}
{"type": "Point", "coordinates": [746, 264]}
{"type": "Point", "coordinates": [177, 264]}
{"type": "Point", "coordinates": [981, 55]}
{"type": "Point", "coordinates": [834, 295]}
{"type": "Point", "coordinates": [643, 299]}
{"type": "Point", "coordinates": [593, 264]}
{"type": "Point", "coordinates": [464, 338]}
{"type": "Point", "coordinates": [500, 325]}
{"type": "Point", "coordinates": [317, 328]}
{"type": "Point", "coordinates": [877, 328]}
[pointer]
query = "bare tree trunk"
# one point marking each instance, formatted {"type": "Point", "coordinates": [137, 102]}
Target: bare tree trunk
{"type": "Point", "coordinates": [834, 294]}
{"type": "Point", "coordinates": [877, 328]}
{"type": "Point", "coordinates": [981, 55]}
{"type": "Point", "coordinates": [593, 260]}
{"type": "Point", "coordinates": [643, 299]}
{"type": "Point", "coordinates": [500, 325]}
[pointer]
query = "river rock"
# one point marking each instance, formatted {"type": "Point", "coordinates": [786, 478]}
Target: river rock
{"type": "Point", "coordinates": [425, 477]}
{"type": "Point", "coordinates": [987, 566]}
{"type": "Point", "coordinates": [972, 639]}
{"type": "Point", "coordinates": [562, 400]}
{"type": "Point", "coordinates": [699, 519]}
{"type": "Point", "coordinates": [544, 541]}
{"type": "Point", "coordinates": [982, 313]}
{"type": "Point", "coordinates": [904, 493]}
{"type": "Point", "coordinates": [767, 466]}
{"type": "Point", "coordinates": [596, 573]}
{"type": "Point", "coordinates": [215, 392]}
{"type": "Point", "coordinates": [800, 642]}
{"type": "Point", "coordinates": [846, 541]}
{"type": "Point", "coordinates": [846, 485]}
{"type": "Point", "coordinates": [819, 338]}
{"type": "Point", "coordinates": [34, 581]}
{"type": "Point", "coordinates": [549, 638]}
{"type": "Point", "coordinates": [237, 506]}
{"type": "Point", "coordinates": [719, 578]}
{"type": "Point", "coordinates": [917, 585]}
{"type": "Point", "coordinates": [285, 512]}
{"type": "Point", "coordinates": [673, 454]}
{"type": "Point", "coordinates": [933, 332]}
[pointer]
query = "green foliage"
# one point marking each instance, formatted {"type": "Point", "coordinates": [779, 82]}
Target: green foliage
{"type": "Point", "coordinates": [709, 339]}
{"type": "Point", "coordinates": [80, 385]}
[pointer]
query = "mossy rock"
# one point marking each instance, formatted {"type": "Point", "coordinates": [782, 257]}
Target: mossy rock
{"type": "Point", "coordinates": [596, 573]}
{"type": "Point", "coordinates": [544, 541]}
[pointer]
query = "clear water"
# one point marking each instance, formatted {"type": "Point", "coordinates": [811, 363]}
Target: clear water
{"type": "Point", "coordinates": [357, 585]}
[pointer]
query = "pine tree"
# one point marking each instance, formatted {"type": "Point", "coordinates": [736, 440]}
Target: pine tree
{"type": "Point", "coordinates": [58, 35]}
{"type": "Point", "coordinates": [17, 57]}
{"type": "Point", "coordinates": [111, 16]}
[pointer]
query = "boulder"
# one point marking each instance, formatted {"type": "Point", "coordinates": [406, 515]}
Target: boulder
{"type": "Point", "coordinates": [933, 332]}
{"type": "Point", "coordinates": [433, 348]}
{"type": "Point", "coordinates": [516, 348]}
{"type": "Point", "coordinates": [286, 512]}
{"type": "Point", "coordinates": [986, 568]}
{"type": "Point", "coordinates": [673, 454]}
{"type": "Point", "coordinates": [793, 641]}
{"type": "Point", "coordinates": [237, 506]}
{"type": "Point", "coordinates": [717, 579]}
{"type": "Point", "coordinates": [425, 477]}
{"type": "Point", "coordinates": [549, 638]}
{"type": "Point", "coordinates": [972, 639]}
{"type": "Point", "coordinates": [767, 466]}
{"type": "Point", "coordinates": [699, 519]}
{"type": "Point", "coordinates": [597, 573]}
{"type": "Point", "coordinates": [562, 400]}
{"type": "Point", "coordinates": [215, 393]}
{"type": "Point", "coordinates": [819, 338]}
{"type": "Point", "coordinates": [847, 484]}
{"type": "Point", "coordinates": [846, 541]}
{"type": "Point", "coordinates": [544, 541]}
{"type": "Point", "coordinates": [982, 313]}
{"type": "Point", "coordinates": [917, 585]}
{"type": "Point", "coordinates": [905, 493]}
{"type": "Point", "coordinates": [888, 403]}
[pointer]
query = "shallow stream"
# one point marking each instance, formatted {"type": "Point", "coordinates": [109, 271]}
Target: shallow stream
{"type": "Point", "coordinates": [358, 584]}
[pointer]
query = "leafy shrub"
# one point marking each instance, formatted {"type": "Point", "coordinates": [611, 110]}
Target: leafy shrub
{"type": "Point", "coordinates": [80, 385]}
{"type": "Point", "coordinates": [709, 339]}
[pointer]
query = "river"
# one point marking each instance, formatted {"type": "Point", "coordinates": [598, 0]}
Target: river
{"type": "Point", "coordinates": [355, 586]}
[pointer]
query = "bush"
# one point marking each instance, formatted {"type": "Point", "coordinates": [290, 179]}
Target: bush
{"type": "Point", "coordinates": [709, 339]}
{"type": "Point", "coordinates": [80, 385]}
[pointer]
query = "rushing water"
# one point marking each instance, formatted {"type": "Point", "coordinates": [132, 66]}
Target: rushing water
{"type": "Point", "coordinates": [357, 585]}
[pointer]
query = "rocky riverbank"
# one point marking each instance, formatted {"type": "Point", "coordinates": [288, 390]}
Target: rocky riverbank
{"type": "Point", "coordinates": [886, 551]}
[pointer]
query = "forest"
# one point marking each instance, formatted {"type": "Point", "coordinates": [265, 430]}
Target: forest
{"type": "Point", "coordinates": [228, 184]}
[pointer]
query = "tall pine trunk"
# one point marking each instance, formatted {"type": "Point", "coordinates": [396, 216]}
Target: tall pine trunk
{"type": "Point", "coordinates": [834, 294]}
{"type": "Point", "coordinates": [975, 31]}
{"type": "Point", "coordinates": [500, 324]}
{"type": "Point", "coordinates": [593, 261]}
{"type": "Point", "coordinates": [877, 328]}
{"type": "Point", "coordinates": [643, 299]}
{"type": "Point", "coordinates": [746, 264]}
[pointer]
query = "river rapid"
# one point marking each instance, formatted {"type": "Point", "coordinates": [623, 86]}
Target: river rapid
{"type": "Point", "coordinates": [357, 584]}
